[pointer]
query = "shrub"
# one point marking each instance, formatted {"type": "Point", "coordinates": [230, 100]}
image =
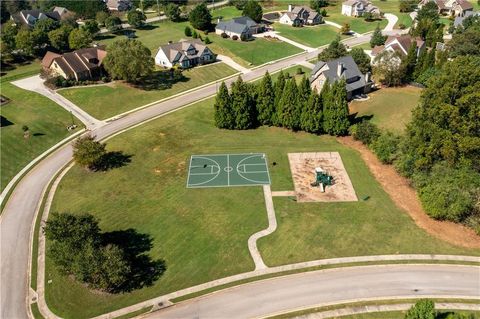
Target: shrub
{"type": "Point", "coordinates": [195, 34]}
{"type": "Point", "coordinates": [188, 31]}
{"type": "Point", "coordinates": [224, 35]}
{"type": "Point", "coordinates": [243, 37]}
{"type": "Point", "coordinates": [299, 71]}
{"type": "Point", "coordinates": [234, 37]}
{"type": "Point", "coordinates": [402, 26]}
{"type": "Point", "coordinates": [207, 40]}
{"type": "Point", "coordinates": [365, 132]}
{"type": "Point", "coordinates": [422, 309]}
{"type": "Point", "coordinates": [448, 193]}
{"type": "Point", "coordinates": [386, 147]}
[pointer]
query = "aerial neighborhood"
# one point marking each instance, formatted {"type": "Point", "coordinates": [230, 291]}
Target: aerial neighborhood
{"type": "Point", "coordinates": [240, 159]}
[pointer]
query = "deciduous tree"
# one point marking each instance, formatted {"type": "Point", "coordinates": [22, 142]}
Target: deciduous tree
{"type": "Point", "coordinates": [200, 17]}
{"type": "Point", "coordinates": [87, 152]}
{"type": "Point", "coordinates": [335, 50]}
{"type": "Point", "coordinates": [136, 18]}
{"type": "Point", "coordinates": [128, 60]}
{"type": "Point", "coordinates": [79, 39]}
{"type": "Point", "coordinates": [253, 10]}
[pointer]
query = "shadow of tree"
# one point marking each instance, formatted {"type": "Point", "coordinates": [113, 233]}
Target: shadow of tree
{"type": "Point", "coordinates": [38, 134]}
{"type": "Point", "coordinates": [4, 121]}
{"type": "Point", "coordinates": [144, 270]}
{"type": "Point", "coordinates": [111, 160]}
{"type": "Point", "coordinates": [160, 80]}
{"type": "Point", "coordinates": [355, 119]}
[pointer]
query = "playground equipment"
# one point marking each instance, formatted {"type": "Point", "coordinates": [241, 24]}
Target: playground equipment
{"type": "Point", "coordinates": [322, 179]}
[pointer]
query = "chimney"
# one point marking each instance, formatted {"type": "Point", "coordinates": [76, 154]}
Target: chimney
{"type": "Point", "coordinates": [289, 8]}
{"type": "Point", "coordinates": [339, 69]}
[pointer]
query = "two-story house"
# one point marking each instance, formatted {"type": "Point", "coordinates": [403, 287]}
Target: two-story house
{"type": "Point", "coordinates": [357, 8]}
{"type": "Point", "coordinates": [186, 54]}
{"type": "Point", "coordinates": [300, 15]}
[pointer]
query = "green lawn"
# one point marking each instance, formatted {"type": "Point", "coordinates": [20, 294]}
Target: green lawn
{"type": "Point", "coordinates": [256, 52]}
{"type": "Point", "coordinates": [364, 46]}
{"type": "Point", "coordinates": [401, 315]}
{"type": "Point", "coordinates": [391, 107]}
{"type": "Point", "coordinates": [392, 6]}
{"type": "Point", "coordinates": [46, 120]}
{"type": "Point", "coordinates": [108, 100]}
{"type": "Point", "coordinates": [314, 36]}
{"type": "Point", "coordinates": [358, 25]}
{"type": "Point", "coordinates": [225, 13]}
{"type": "Point", "coordinates": [202, 233]}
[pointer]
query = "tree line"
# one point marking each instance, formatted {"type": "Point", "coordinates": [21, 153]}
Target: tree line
{"type": "Point", "coordinates": [440, 151]}
{"type": "Point", "coordinates": [283, 103]}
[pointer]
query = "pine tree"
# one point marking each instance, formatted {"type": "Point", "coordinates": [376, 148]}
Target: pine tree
{"type": "Point", "coordinates": [410, 63]}
{"type": "Point", "coordinates": [377, 37]}
{"type": "Point", "coordinates": [311, 119]}
{"type": "Point", "coordinates": [278, 90]}
{"type": "Point", "coordinates": [242, 105]}
{"type": "Point", "coordinates": [265, 101]}
{"type": "Point", "coordinates": [288, 111]}
{"type": "Point", "coordinates": [223, 109]}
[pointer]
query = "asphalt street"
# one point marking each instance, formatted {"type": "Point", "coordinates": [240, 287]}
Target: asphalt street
{"type": "Point", "coordinates": [307, 290]}
{"type": "Point", "coordinates": [17, 219]}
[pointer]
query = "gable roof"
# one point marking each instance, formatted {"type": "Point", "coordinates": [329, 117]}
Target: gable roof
{"type": "Point", "coordinates": [465, 5]}
{"type": "Point", "coordinates": [236, 25]}
{"type": "Point", "coordinates": [459, 20]}
{"type": "Point", "coordinates": [76, 61]}
{"type": "Point", "coordinates": [178, 51]}
{"type": "Point", "coordinates": [404, 43]}
{"type": "Point", "coordinates": [29, 17]}
{"type": "Point", "coordinates": [349, 71]}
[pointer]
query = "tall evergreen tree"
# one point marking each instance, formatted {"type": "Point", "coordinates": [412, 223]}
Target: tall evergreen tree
{"type": "Point", "coordinates": [223, 109]}
{"type": "Point", "coordinates": [242, 105]}
{"type": "Point", "coordinates": [278, 90]}
{"type": "Point", "coordinates": [419, 66]}
{"type": "Point", "coordinates": [336, 110]}
{"type": "Point", "coordinates": [377, 37]}
{"type": "Point", "coordinates": [304, 90]}
{"type": "Point", "coordinates": [266, 101]}
{"type": "Point", "coordinates": [409, 62]}
{"type": "Point", "coordinates": [288, 114]}
{"type": "Point", "coordinates": [335, 50]}
{"type": "Point", "coordinates": [311, 119]}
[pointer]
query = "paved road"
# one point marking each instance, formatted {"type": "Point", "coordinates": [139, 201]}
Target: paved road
{"type": "Point", "coordinates": [18, 215]}
{"type": "Point", "coordinates": [263, 298]}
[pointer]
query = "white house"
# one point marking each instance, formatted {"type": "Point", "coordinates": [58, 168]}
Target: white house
{"type": "Point", "coordinates": [300, 15]}
{"type": "Point", "coordinates": [356, 8]}
{"type": "Point", "coordinates": [457, 8]}
{"type": "Point", "coordinates": [186, 54]}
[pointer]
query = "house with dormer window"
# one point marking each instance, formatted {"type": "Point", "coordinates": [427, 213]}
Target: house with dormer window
{"type": "Point", "coordinates": [300, 15]}
{"type": "Point", "coordinates": [185, 54]}
{"type": "Point", "coordinates": [28, 18]}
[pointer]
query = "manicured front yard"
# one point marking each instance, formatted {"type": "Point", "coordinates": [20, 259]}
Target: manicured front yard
{"type": "Point", "coordinates": [392, 6]}
{"type": "Point", "coordinates": [256, 52]}
{"type": "Point", "coordinates": [47, 123]}
{"type": "Point", "coordinates": [313, 36]}
{"type": "Point", "coordinates": [390, 107]}
{"type": "Point", "coordinates": [358, 25]}
{"type": "Point", "coordinates": [202, 233]}
{"type": "Point", "coordinates": [115, 98]}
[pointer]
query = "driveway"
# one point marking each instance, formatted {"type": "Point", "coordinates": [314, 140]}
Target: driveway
{"type": "Point", "coordinates": [392, 20]}
{"type": "Point", "coordinates": [307, 290]}
{"type": "Point", "coordinates": [35, 84]}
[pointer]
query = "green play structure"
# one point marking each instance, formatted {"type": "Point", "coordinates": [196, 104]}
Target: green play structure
{"type": "Point", "coordinates": [322, 179]}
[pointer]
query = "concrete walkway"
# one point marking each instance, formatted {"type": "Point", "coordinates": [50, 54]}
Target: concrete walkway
{"type": "Point", "coordinates": [349, 311]}
{"type": "Point", "coordinates": [284, 193]}
{"type": "Point", "coordinates": [275, 34]}
{"type": "Point", "coordinates": [272, 226]}
{"type": "Point", "coordinates": [35, 84]}
{"type": "Point", "coordinates": [392, 20]}
{"type": "Point", "coordinates": [229, 61]}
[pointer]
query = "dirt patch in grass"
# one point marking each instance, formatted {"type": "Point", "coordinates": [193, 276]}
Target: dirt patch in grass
{"type": "Point", "coordinates": [302, 166]}
{"type": "Point", "coordinates": [405, 197]}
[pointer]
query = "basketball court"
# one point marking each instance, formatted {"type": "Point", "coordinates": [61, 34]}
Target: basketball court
{"type": "Point", "coordinates": [224, 170]}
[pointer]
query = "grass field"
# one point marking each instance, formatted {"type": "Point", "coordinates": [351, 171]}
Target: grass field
{"type": "Point", "coordinates": [390, 107]}
{"type": "Point", "coordinates": [108, 100]}
{"type": "Point", "coordinates": [254, 52]}
{"type": "Point", "coordinates": [202, 233]}
{"type": "Point", "coordinates": [46, 120]}
{"type": "Point", "coordinates": [358, 25]}
{"type": "Point", "coordinates": [392, 6]}
{"type": "Point", "coordinates": [314, 36]}
{"type": "Point", "coordinates": [364, 46]}
{"type": "Point", "coordinates": [225, 13]}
